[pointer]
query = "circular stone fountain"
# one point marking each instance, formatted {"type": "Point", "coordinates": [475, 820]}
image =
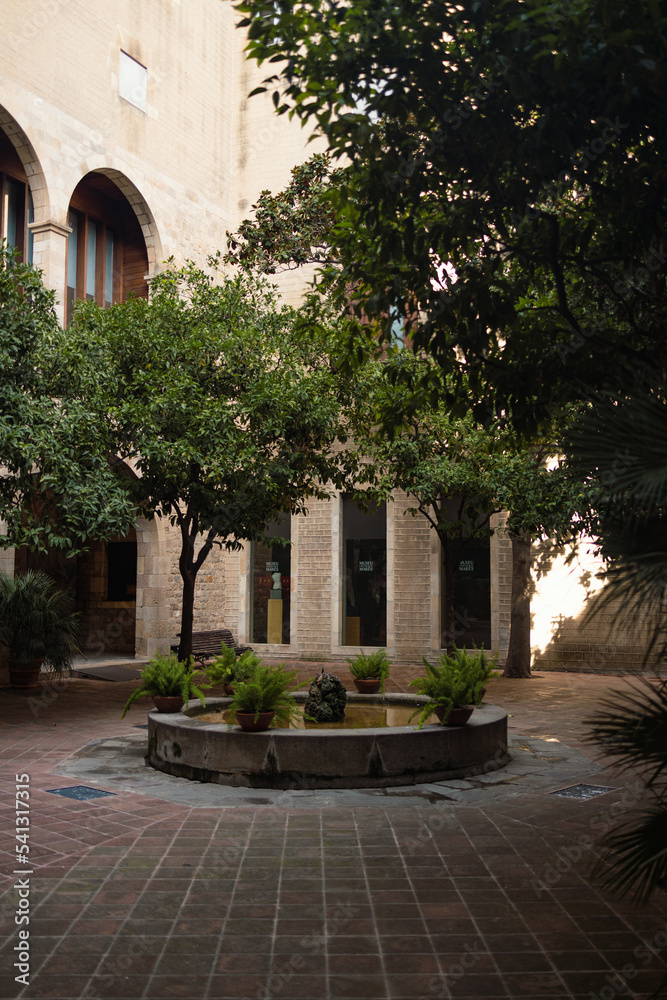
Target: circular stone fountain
{"type": "Point", "coordinates": [192, 746]}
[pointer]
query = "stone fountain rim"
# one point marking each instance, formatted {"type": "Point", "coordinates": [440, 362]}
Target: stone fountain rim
{"type": "Point", "coordinates": [194, 708]}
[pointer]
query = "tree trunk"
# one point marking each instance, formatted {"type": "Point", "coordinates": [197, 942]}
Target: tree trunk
{"type": "Point", "coordinates": [518, 654]}
{"type": "Point", "coordinates": [188, 570]}
{"type": "Point", "coordinates": [189, 567]}
{"type": "Point", "coordinates": [187, 615]}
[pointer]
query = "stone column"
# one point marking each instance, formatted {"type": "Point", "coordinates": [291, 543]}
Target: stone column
{"type": "Point", "coordinates": [50, 256]}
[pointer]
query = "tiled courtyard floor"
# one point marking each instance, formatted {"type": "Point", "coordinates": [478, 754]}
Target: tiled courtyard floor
{"type": "Point", "coordinates": [167, 889]}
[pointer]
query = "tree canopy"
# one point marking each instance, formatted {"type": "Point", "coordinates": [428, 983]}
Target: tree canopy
{"type": "Point", "coordinates": [56, 488]}
{"type": "Point", "coordinates": [458, 474]}
{"type": "Point", "coordinates": [506, 178]}
{"type": "Point", "coordinates": [222, 417]}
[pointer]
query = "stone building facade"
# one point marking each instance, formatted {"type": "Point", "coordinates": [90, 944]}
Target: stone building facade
{"type": "Point", "coordinates": [127, 138]}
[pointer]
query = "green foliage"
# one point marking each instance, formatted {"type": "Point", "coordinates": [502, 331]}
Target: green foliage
{"type": "Point", "coordinates": [506, 184]}
{"type": "Point", "coordinates": [619, 451]}
{"type": "Point", "coordinates": [632, 727]}
{"type": "Point", "coordinates": [291, 228]}
{"type": "Point", "coordinates": [458, 473]}
{"type": "Point", "coordinates": [454, 682]}
{"type": "Point", "coordinates": [266, 689]}
{"type": "Point", "coordinates": [221, 669]}
{"type": "Point", "coordinates": [37, 620]}
{"type": "Point", "coordinates": [219, 418]}
{"type": "Point", "coordinates": [375, 665]}
{"type": "Point", "coordinates": [56, 489]}
{"type": "Point", "coordinates": [228, 669]}
{"type": "Point", "coordinates": [166, 675]}
{"type": "Point", "coordinates": [326, 699]}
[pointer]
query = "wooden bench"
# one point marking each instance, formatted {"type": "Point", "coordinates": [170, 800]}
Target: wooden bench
{"type": "Point", "coordinates": [206, 645]}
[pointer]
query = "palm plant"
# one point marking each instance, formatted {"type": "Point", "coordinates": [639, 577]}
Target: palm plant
{"type": "Point", "coordinates": [37, 621]}
{"type": "Point", "coordinates": [632, 727]}
{"type": "Point", "coordinates": [166, 676]}
{"type": "Point", "coordinates": [619, 448]}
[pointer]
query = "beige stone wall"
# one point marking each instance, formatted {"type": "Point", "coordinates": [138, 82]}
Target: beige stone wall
{"type": "Point", "coordinates": [413, 587]}
{"type": "Point", "coordinates": [413, 607]}
{"type": "Point", "coordinates": [565, 634]}
{"type": "Point", "coordinates": [192, 164]}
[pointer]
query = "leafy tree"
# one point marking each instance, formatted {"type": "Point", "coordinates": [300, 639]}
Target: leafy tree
{"type": "Point", "coordinates": [223, 417]}
{"type": "Point", "coordinates": [291, 228]}
{"type": "Point", "coordinates": [459, 475]}
{"type": "Point", "coordinates": [56, 490]}
{"type": "Point", "coordinates": [518, 143]}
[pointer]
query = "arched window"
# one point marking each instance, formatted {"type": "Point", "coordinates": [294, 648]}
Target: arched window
{"type": "Point", "coordinates": [106, 252]}
{"type": "Point", "coordinates": [16, 208]}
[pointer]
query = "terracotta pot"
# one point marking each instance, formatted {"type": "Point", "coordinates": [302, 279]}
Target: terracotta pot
{"type": "Point", "coordinates": [167, 703]}
{"type": "Point", "coordinates": [458, 717]}
{"type": "Point", "coordinates": [246, 721]}
{"type": "Point", "coordinates": [370, 685]}
{"type": "Point", "coordinates": [22, 674]}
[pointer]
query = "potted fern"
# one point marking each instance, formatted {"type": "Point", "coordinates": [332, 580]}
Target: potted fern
{"type": "Point", "coordinates": [263, 698]}
{"type": "Point", "coordinates": [227, 669]}
{"type": "Point", "coordinates": [453, 686]}
{"type": "Point", "coordinates": [168, 681]}
{"type": "Point", "coordinates": [369, 673]}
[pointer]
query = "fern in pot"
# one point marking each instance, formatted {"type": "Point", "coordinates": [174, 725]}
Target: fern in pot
{"type": "Point", "coordinates": [265, 698]}
{"type": "Point", "coordinates": [170, 682]}
{"type": "Point", "coordinates": [369, 672]}
{"type": "Point", "coordinates": [228, 669]}
{"type": "Point", "coordinates": [451, 686]}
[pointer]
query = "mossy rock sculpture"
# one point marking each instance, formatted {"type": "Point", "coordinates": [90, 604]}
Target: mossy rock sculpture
{"type": "Point", "coordinates": [326, 699]}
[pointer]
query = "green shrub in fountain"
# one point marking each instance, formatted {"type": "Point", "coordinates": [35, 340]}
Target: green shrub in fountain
{"type": "Point", "coordinates": [456, 681]}
{"type": "Point", "coordinates": [375, 666]}
{"type": "Point", "coordinates": [326, 699]}
{"type": "Point", "coordinates": [166, 676]}
{"type": "Point", "coordinates": [266, 689]}
{"type": "Point", "coordinates": [228, 669]}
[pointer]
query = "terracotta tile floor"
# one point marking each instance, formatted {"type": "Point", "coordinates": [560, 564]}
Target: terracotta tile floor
{"type": "Point", "coordinates": [136, 895]}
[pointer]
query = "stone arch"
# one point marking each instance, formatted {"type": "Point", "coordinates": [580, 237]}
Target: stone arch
{"type": "Point", "coordinates": [104, 165]}
{"type": "Point", "coordinates": [31, 164]}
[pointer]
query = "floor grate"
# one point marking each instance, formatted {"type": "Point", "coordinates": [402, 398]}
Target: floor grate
{"type": "Point", "coordinates": [582, 791]}
{"type": "Point", "coordinates": [80, 792]}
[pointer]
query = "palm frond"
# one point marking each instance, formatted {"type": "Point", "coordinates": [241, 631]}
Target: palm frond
{"type": "Point", "coordinates": [624, 440]}
{"type": "Point", "coordinates": [636, 862]}
{"type": "Point", "coordinates": [632, 727]}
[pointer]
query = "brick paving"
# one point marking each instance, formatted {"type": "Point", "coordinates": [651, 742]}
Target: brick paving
{"type": "Point", "coordinates": [407, 896]}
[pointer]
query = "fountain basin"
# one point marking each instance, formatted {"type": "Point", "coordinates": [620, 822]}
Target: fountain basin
{"type": "Point", "coordinates": [190, 747]}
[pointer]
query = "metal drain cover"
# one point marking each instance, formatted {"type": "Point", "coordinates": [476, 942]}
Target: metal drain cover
{"type": "Point", "coordinates": [582, 791]}
{"type": "Point", "coordinates": [80, 792]}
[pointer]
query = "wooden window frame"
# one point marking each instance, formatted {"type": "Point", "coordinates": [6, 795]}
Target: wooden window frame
{"type": "Point", "coordinates": [100, 260]}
